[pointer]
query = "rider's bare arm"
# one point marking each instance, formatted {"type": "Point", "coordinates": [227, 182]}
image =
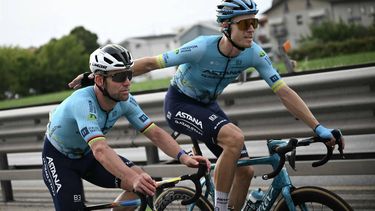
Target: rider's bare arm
{"type": "Point", "coordinates": [145, 64]}
{"type": "Point", "coordinates": [295, 105]}
{"type": "Point", "coordinates": [130, 179]}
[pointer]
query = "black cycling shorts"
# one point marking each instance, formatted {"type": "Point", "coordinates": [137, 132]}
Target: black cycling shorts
{"type": "Point", "coordinates": [195, 119]}
{"type": "Point", "coordinates": [62, 176]}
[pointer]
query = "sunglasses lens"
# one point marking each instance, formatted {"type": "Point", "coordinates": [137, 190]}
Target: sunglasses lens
{"type": "Point", "coordinates": [122, 76]}
{"type": "Point", "coordinates": [246, 23]}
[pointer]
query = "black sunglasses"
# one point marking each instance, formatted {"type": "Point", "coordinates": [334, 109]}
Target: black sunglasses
{"type": "Point", "coordinates": [120, 77]}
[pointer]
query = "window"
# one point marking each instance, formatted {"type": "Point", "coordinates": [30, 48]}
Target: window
{"type": "Point", "coordinates": [299, 19]}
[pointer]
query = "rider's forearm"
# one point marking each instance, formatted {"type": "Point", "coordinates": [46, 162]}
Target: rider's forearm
{"type": "Point", "coordinates": [109, 159]}
{"type": "Point", "coordinates": [163, 141]}
{"type": "Point", "coordinates": [297, 106]}
{"type": "Point", "coordinates": [145, 65]}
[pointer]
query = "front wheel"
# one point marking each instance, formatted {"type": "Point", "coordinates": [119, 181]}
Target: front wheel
{"type": "Point", "coordinates": [314, 198]}
{"type": "Point", "coordinates": [171, 198]}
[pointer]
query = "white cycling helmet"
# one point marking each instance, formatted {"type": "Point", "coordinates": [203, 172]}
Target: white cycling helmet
{"type": "Point", "coordinates": [109, 58]}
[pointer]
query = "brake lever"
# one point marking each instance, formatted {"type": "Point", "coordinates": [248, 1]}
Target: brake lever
{"type": "Point", "coordinates": [338, 136]}
{"type": "Point", "coordinates": [292, 159]}
{"type": "Point", "coordinates": [327, 157]}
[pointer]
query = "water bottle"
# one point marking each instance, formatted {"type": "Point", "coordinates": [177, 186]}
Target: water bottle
{"type": "Point", "coordinates": [255, 199]}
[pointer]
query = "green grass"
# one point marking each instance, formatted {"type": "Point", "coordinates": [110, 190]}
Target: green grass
{"type": "Point", "coordinates": [343, 60]}
{"type": "Point", "coordinates": [306, 65]}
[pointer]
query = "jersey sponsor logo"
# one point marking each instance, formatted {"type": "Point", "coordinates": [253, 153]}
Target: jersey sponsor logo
{"type": "Point", "coordinates": [274, 78]}
{"type": "Point", "coordinates": [143, 118]}
{"type": "Point", "coordinates": [85, 132]}
{"type": "Point", "coordinates": [212, 117]}
{"type": "Point", "coordinates": [262, 54]}
{"type": "Point", "coordinates": [189, 118]}
{"type": "Point", "coordinates": [268, 60]}
{"type": "Point", "coordinates": [219, 123]}
{"type": "Point", "coordinates": [91, 117]}
{"type": "Point", "coordinates": [166, 57]}
{"type": "Point", "coordinates": [77, 198]}
{"type": "Point", "coordinates": [169, 115]}
{"type": "Point", "coordinates": [92, 108]}
{"type": "Point", "coordinates": [93, 129]}
{"type": "Point", "coordinates": [186, 49]}
{"type": "Point", "coordinates": [52, 176]}
{"type": "Point", "coordinates": [189, 126]}
{"type": "Point", "coordinates": [219, 74]}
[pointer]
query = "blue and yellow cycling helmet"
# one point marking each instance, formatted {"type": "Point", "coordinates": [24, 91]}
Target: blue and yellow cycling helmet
{"type": "Point", "coordinates": [228, 9]}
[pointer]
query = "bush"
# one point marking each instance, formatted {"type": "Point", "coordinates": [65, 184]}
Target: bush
{"type": "Point", "coordinates": [332, 39]}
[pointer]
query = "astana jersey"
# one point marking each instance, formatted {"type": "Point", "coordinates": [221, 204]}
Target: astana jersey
{"type": "Point", "coordinates": [204, 72]}
{"type": "Point", "coordinates": [79, 121]}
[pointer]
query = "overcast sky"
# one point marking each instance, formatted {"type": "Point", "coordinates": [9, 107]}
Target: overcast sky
{"type": "Point", "coordinates": [28, 23]}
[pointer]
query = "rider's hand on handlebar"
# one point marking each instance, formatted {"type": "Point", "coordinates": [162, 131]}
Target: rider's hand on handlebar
{"type": "Point", "coordinates": [193, 161]}
{"type": "Point", "coordinates": [325, 133]}
{"type": "Point", "coordinates": [143, 183]}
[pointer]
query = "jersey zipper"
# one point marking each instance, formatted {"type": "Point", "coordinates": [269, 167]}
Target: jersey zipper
{"type": "Point", "coordinates": [221, 79]}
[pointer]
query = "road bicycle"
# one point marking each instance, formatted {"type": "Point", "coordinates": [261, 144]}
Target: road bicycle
{"type": "Point", "coordinates": [146, 203]}
{"type": "Point", "coordinates": [281, 194]}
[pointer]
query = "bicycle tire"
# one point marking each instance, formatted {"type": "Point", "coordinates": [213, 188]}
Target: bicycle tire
{"type": "Point", "coordinates": [171, 198]}
{"type": "Point", "coordinates": [315, 197]}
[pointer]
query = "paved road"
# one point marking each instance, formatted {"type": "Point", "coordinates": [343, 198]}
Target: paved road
{"type": "Point", "coordinates": [359, 191]}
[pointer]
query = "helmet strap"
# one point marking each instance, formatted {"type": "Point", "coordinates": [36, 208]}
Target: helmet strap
{"type": "Point", "coordinates": [227, 32]}
{"type": "Point", "coordinates": [106, 94]}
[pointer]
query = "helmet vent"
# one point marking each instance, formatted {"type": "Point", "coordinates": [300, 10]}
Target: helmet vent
{"type": "Point", "coordinates": [118, 58]}
{"type": "Point", "coordinates": [107, 60]}
{"type": "Point", "coordinates": [96, 58]}
{"type": "Point", "coordinates": [126, 56]}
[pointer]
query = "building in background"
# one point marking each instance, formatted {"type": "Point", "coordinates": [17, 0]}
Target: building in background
{"type": "Point", "coordinates": [291, 19]}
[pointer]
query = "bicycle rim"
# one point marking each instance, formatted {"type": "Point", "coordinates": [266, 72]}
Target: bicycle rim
{"type": "Point", "coordinates": [171, 198]}
{"type": "Point", "coordinates": [314, 198]}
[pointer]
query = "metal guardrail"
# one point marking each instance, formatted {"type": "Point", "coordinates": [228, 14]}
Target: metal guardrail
{"type": "Point", "coordinates": [340, 99]}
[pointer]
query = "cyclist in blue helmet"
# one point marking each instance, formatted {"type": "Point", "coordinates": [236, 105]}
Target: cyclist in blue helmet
{"type": "Point", "coordinates": [206, 65]}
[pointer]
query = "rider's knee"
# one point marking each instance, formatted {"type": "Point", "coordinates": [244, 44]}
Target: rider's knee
{"type": "Point", "coordinates": [233, 141]}
{"type": "Point", "coordinates": [245, 172]}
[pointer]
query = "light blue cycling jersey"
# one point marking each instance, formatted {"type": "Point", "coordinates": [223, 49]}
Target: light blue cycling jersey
{"type": "Point", "coordinates": [79, 120]}
{"type": "Point", "coordinates": [204, 72]}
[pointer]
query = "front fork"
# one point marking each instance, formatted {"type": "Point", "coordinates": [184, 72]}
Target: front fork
{"type": "Point", "coordinates": [286, 192]}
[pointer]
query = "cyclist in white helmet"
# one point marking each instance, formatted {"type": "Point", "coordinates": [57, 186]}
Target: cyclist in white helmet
{"type": "Point", "coordinates": [75, 144]}
{"type": "Point", "coordinates": [206, 65]}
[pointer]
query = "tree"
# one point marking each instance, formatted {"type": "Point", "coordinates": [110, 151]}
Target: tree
{"type": "Point", "coordinates": [16, 66]}
{"type": "Point", "coordinates": [88, 39]}
{"type": "Point", "coordinates": [59, 61]}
